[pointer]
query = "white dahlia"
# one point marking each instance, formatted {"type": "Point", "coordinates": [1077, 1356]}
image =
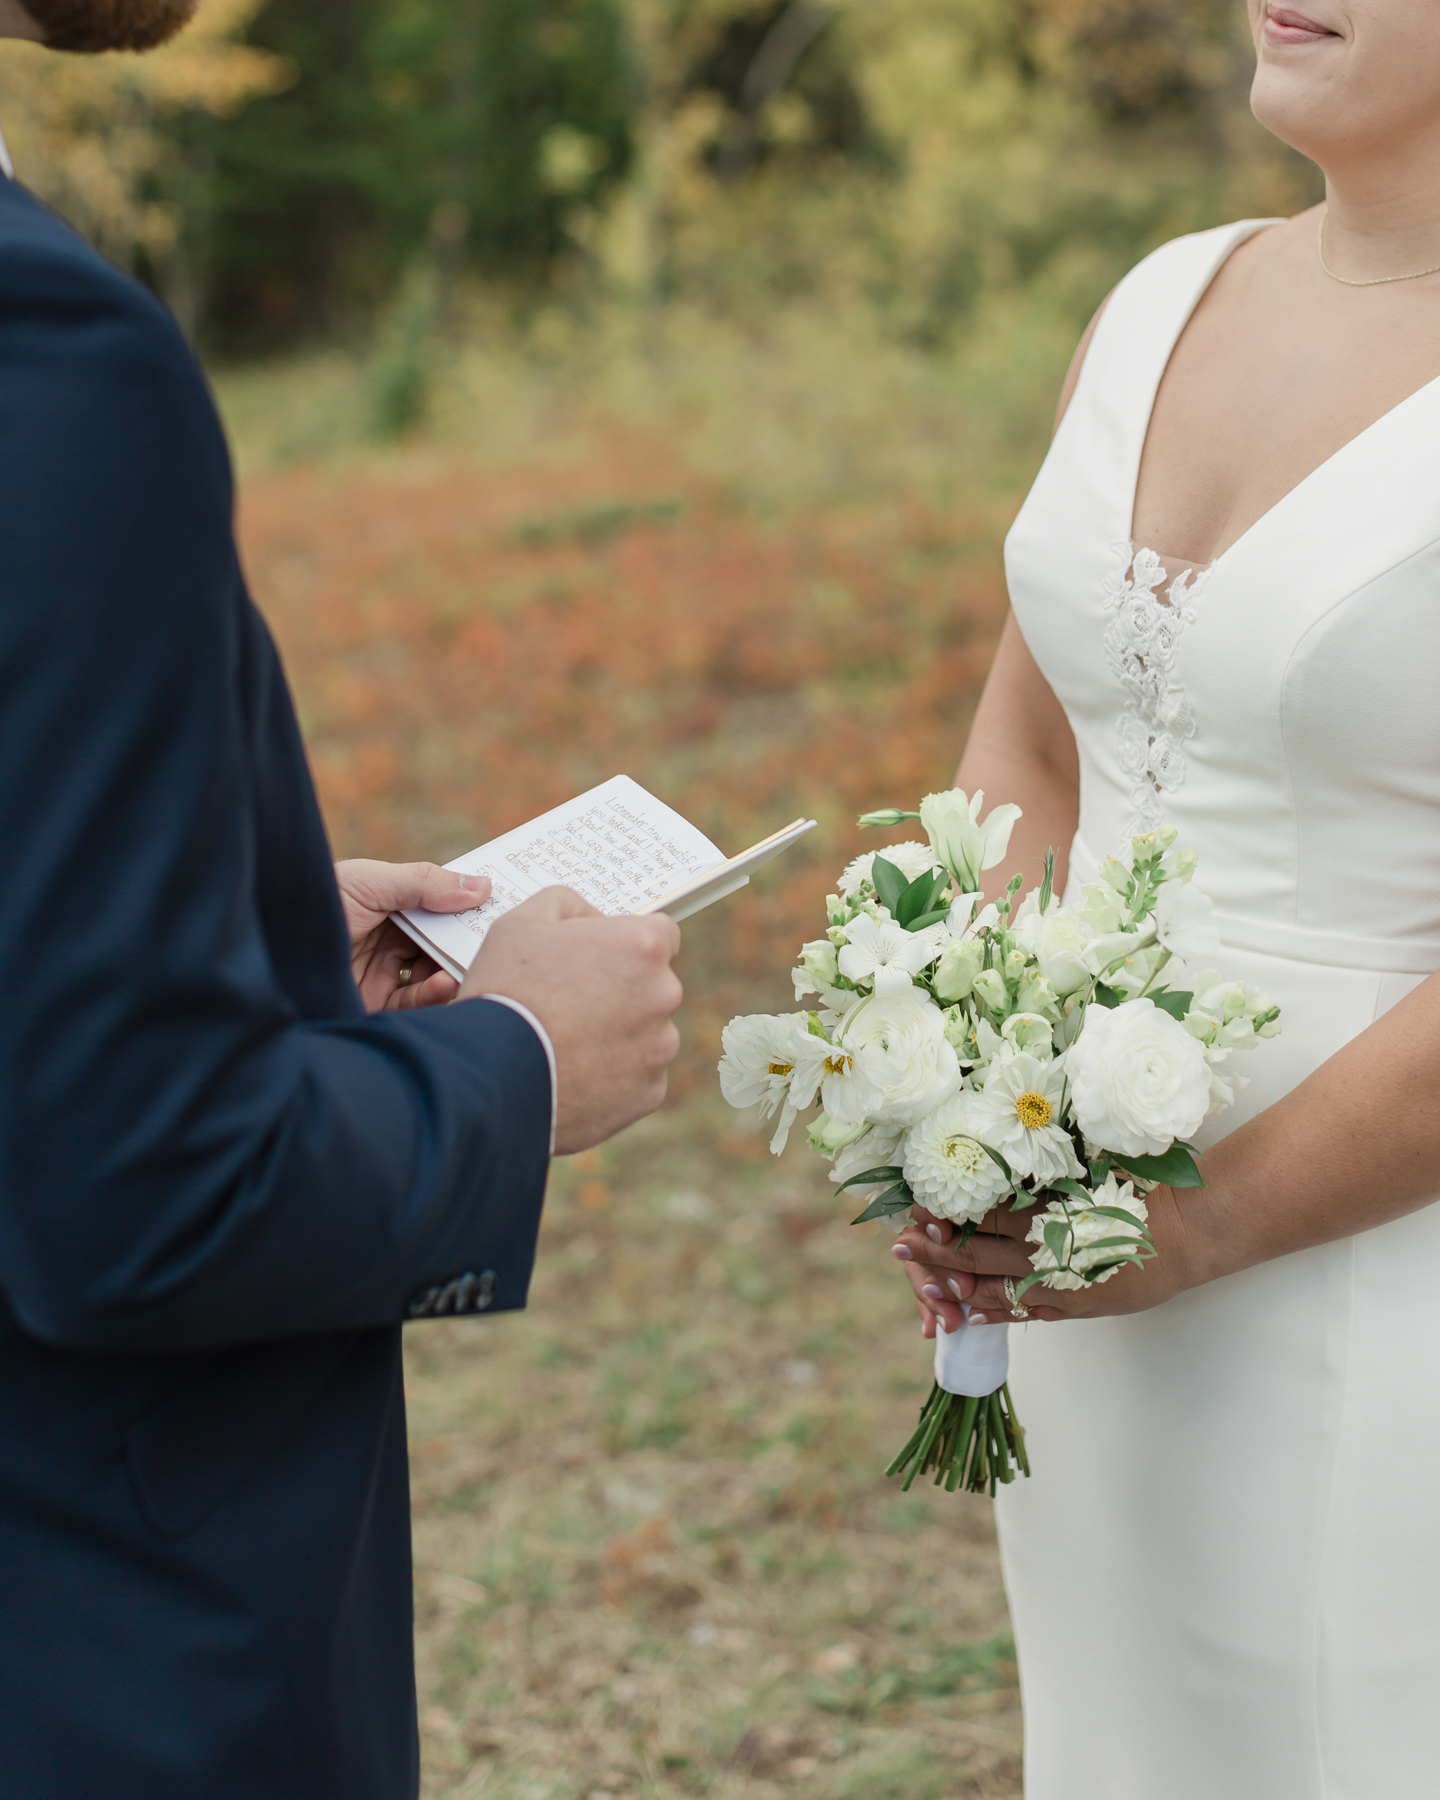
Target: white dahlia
{"type": "Point", "coordinates": [912, 860]}
{"type": "Point", "coordinates": [949, 1170]}
{"type": "Point", "coordinates": [1087, 1228]}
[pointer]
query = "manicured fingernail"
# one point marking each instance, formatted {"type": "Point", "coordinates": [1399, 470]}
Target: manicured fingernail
{"type": "Point", "coordinates": [902, 1253]}
{"type": "Point", "coordinates": [931, 1292]}
{"type": "Point", "coordinates": [979, 1319]}
{"type": "Point", "coordinates": [955, 1288]}
{"type": "Point", "coordinates": [934, 1231]}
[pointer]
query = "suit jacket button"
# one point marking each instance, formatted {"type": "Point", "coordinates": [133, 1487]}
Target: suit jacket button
{"type": "Point", "coordinates": [485, 1291]}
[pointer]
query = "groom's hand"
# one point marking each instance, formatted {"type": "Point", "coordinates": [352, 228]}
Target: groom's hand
{"type": "Point", "coordinates": [389, 971]}
{"type": "Point", "coordinates": [604, 990]}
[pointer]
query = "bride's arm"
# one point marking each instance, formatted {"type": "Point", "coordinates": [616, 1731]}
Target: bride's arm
{"type": "Point", "coordinates": [1355, 1145]}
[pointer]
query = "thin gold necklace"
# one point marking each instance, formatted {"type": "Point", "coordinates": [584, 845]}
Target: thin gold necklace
{"type": "Point", "coordinates": [1378, 281]}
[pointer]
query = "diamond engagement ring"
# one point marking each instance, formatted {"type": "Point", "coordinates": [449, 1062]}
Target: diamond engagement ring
{"type": "Point", "coordinates": [1017, 1311]}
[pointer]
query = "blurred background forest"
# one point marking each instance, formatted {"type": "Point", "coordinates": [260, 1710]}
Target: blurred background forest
{"type": "Point", "coordinates": [646, 386]}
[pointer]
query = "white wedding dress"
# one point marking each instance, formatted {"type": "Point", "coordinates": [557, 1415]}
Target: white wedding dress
{"type": "Point", "coordinates": [1225, 1571]}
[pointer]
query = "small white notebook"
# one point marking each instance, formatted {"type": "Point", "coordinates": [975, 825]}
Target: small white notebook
{"type": "Point", "coordinates": [619, 848]}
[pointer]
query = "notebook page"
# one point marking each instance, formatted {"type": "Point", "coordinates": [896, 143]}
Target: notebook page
{"type": "Point", "coordinates": [617, 846]}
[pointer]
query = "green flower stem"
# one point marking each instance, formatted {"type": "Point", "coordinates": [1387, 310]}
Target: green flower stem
{"type": "Point", "coordinates": [971, 1443]}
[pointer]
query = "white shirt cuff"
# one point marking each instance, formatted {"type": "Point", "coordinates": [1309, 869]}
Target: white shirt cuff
{"type": "Point", "coordinates": [544, 1037]}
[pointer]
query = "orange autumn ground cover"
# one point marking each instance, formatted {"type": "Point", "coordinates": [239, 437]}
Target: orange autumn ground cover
{"type": "Point", "coordinates": [470, 646]}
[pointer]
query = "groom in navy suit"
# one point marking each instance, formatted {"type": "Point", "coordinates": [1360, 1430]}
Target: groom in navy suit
{"type": "Point", "coordinates": [239, 1144]}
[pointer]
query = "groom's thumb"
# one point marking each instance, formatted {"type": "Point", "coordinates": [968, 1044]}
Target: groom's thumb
{"type": "Point", "coordinates": [428, 886]}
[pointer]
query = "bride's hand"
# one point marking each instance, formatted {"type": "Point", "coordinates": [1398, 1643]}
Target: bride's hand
{"type": "Point", "coordinates": [389, 970]}
{"type": "Point", "coordinates": [943, 1273]}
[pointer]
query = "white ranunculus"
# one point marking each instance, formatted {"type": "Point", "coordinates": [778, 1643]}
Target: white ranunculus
{"type": "Point", "coordinates": [1182, 921]}
{"type": "Point", "coordinates": [1087, 1229]}
{"type": "Point", "coordinates": [912, 860]}
{"type": "Point", "coordinates": [1138, 1079]}
{"type": "Point", "coordinates": [1056, 939]}
{"type": "Point", "coordinates": [881, 951]}
{"type": "Point", "coordinates": [1021, 1118]}
{"type": "Point", "coordinates": [893, 1063]}
{"type": "Point", "coordinates": [949, 1170]}
{"type": "Point", "coordinates": [960, 840]}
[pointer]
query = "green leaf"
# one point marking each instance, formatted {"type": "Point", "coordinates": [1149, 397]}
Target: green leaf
{"type": "Point", "coordinates": [889, 884]}
{"type": "Point", "coordinates": [1107, 996]}
{"type": "Point", "coordinates": [1176, 1168]}
{"type": "Point", "coordinates": [870, 1177]}
{"type": "Point", "coordinates": [1168, 1000]}
{"type": "Point", "coordinates": [1100, 1168]}
{"type": "Point", "coordinates": [1023, 1287]}
{"type": "Point", "coordinates": [937, 917]}
{"type": "Point", "coordinates": [1094, 1273]}
{"type": "Point", "coordinates": [1075, 1188]}
{"type": "Point", "coordinates": [1057, 1240]}
{"type": "Point", "coordinates": [996, 1157]}
{"type": "Point", "coordinates": [1047, 881]}
{"type": "Point", "coordinates": [921, 896]}
{"type": "Point", "coordinates": [1118, 1212]}
{"type": "Point", "coordinates": [898, 1199]}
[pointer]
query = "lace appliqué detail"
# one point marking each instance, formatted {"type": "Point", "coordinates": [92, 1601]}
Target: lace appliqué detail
{"type": "Point", "coordinates": [1140, 645]}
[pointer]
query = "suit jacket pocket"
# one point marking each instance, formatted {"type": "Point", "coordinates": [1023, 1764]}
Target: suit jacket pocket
{"type": "Point", "coordinates": [187, 1455]}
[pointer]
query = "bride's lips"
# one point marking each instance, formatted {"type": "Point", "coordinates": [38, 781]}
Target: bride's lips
{"type": "Point", "coordinates": [1283, 25]}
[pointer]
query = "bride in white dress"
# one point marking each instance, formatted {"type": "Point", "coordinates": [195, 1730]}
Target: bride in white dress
{"type": "Point", "coordinates": [1225, 1571]}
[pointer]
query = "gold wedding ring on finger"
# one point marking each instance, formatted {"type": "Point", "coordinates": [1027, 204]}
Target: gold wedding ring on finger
{"type": "Point", "coordinates": [406, 972]}
{"type": "Point", "coordinates": [1017, 1311]}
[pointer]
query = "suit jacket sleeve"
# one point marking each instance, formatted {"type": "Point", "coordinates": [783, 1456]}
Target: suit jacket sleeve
{"type": "Point", "coordinates": [190, 1155]}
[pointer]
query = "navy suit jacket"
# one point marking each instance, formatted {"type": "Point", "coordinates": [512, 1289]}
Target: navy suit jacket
{"type": "Point", "coordinates": [222, 1185]}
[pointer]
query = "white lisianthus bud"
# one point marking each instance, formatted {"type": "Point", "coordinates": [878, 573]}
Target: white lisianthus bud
{"type": "Point", "coordinates": [1138, 1079]}
{"type": "Point", "coordinates": [829, 1137]}
{"type": "Point", "coordinates": [819, 968]}
{"type": "Point", "coordinates": [1057, 940]}
{"type": "Point", "coordinates": [989, 988]}
{"type": "Point", "coordinates": [1029, 1032]}
{"type": "Point", "coordinates": [1037, 996]}
{"type": "Point", "coordinates": [893, 1063]}
{"type": "Point", "coordinates": [956, 970]}
{"type": "Point", "coordinates": [960, 841]}
{"type": "Point", "coordinates": [949, 1170]}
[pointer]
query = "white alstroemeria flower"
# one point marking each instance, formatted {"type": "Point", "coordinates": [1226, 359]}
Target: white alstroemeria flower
{"type": "Point", "coordinates": [881, 951]}
{"type": "Point", "coordinates": [1087, 1228]}
{"type": "Point", "coordinates": [893, 1063]}
{"type": "Point", "coordinates": [949, 1170]}
{"type": "Point", "coordinates": [959, 838]}
{"type": "Point", "coordinates": [1057, 939]}
{"type": "Point", "coordinates": [968, 915]}
{"type": "Point", "coordinates": [1182, 921]}
{"type": "Point", "coordinates": [1138, 1079]}
{"type": "Point", "coordinates": [1023, 1096]}
{"type": "Point", "coordinates": [912, 860]}
{"type": "Point", "coordinates": [761, 1051]}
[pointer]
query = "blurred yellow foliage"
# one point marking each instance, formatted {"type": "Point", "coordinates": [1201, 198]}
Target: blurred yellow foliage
{"type": "Point", "coordinates": [83, 129]}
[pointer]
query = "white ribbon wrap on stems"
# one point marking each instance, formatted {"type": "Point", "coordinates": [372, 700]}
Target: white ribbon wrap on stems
{"type": "Point", "coordinates": [974, 1360]}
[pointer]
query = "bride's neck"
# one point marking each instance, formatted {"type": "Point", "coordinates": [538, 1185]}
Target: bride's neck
{"type": "Point", "coordinates": [1384, 213]}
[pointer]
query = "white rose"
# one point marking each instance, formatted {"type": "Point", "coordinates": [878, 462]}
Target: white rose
{"type": "Point", "coordinates": [893, 1063]}
{"type": "Point", "coordinates": [1057, 940]}
{"type": "Point", "coordinates": [949, 1170]}
{"type": "Point", "coordinates": [1138, 1079]}
{"type": "Point", "coordinates": [960, 841]}
{"type": "Point", "coordinates": [912, 860]}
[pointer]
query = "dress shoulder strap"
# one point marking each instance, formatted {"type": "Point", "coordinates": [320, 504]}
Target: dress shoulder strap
{"type": "Point", "coordinates": [1139, 328]}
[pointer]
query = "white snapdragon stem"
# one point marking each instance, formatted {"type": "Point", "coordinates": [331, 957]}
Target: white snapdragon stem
{"type": "Point", "coordinates": [974, 1360]}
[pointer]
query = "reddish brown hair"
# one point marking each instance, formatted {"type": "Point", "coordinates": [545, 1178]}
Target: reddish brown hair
{"type": "Point", "coordinates": [93, 25]}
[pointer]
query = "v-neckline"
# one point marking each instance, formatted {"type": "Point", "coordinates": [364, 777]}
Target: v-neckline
{"type": "Point", "coordinates": [1243, 233]}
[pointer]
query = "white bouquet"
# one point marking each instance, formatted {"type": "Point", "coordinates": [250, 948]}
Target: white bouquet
{"type": "Point", "coordinates": [965, 1059]}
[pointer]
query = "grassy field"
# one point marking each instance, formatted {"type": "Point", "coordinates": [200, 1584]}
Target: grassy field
{"type": "Point", "coordinates": [654, 1550]}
